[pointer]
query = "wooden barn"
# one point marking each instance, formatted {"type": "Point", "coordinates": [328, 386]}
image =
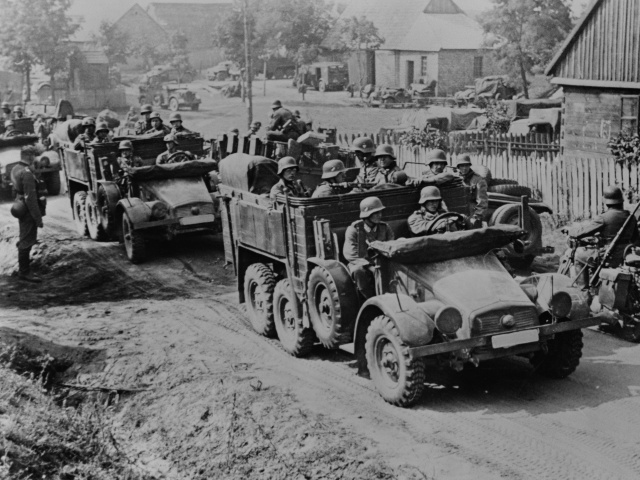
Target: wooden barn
{"type": "Point", "coordinates": [598, 67]}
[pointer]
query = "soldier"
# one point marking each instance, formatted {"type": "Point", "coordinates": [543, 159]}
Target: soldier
{"type": "Point", "coordinates": [6, 111]}
{"type": "Point", "coordinates": [437, 161]}
{"type": "Point", "coordinates": [175, 119]}
{"type": "Point", "coordinates": [333, 174]}
{"type": "Point", "coordinates": [127, 160]}
{"type": "Point", "coordinates": [288, 184]}
{"type": "Point", "coordinates": [478, 198]}
{"type": "Point", "coordinates": [608, 225]}
{"type": "Point", "coordinates": [363, 149]}
{"type": "Point", "coordinates": [10, 129]}
{"type": "Point", "coordinates": [357, 238]}
{"type": "Point", "coordinates": [157, 127]}
{"type": "Point", "coordinates": [283, 126]}
{"type": "Point", "coordinates": [386, 164]}
{"type": "Point", "coordinates": [144, 123]}
{"type": "Point", "coordinates": [302, 125]}
{"type": "Point", "coordinates": [431, 206]}
{"type": "Point", "coordinates": [132, 118]}
{"type": "Point", "coordinates": [18, 112]}
{"type": "Point", "coordinates": [171, 141]}
{"type": "Point", "coordinates": [253, 130]}
{"type": "Point", "coordinates": [102, 134]}
{"type": "Point", "coordinates": [87, 135]}
{"type": "Point", "coordinates": [29, 214]}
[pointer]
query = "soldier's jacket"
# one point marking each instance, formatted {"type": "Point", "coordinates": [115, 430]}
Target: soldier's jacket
{"type": "Point", "coordinates": [430, 178]}
{"type": "Point", "coordinates": [359, 235]}
{"type": "Point", "coordinates": [164, 156]}
{"type": "Point", "coordinates": [293, 189]}
{"type": "Point", "coordinates": [142, 126]}
{"type": "Point", "coordinates": [420, 221]}
{"type": "Point", "coordinates": [384, 175]}
{"type": "Point", "coordinates": [99, 140]}
{"type": "Point", "coordinates": [326, 189]}
{"type": "Point", "coordinates": [164, 130]}
{"type": "Point", "coordinates": [478, 197]}
{"type": "Point", "coordinates": [368, 173]}
{"type": "Point", "coordinates": [180, 129]}
{"type": "Point", "coordinates": [128, 163]}
{"type": "Point", "coordinates": [281, 118]}
{"type": "Point", "coordinates": [82, 140]}
{"type": "Point", "coordinates": [26, 186]}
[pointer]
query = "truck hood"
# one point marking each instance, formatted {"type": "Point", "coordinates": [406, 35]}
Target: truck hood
{"type": "Point", "coordinates": [177, 192]}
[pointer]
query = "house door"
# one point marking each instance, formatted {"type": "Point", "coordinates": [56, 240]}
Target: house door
{"type": "Point", "coordinates": [409, 73]}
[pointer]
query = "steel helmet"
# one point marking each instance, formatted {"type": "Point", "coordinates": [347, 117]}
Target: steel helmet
{"type": "Point", "coordinates": [86, 121]}
{"type": "Point", "coordinates": [102, 127]}
{"type": "Point", "coordinates": [9, 123]}
{"type": "Point", "coordinates": [276, 104]}
{"type": "Point", "coordinates": [125, 145]}
{"type": "Point", "coordinates": [146, 108]}
{"type": "Point", "coordinates": [5, 105]}
{"type": "Point", "coordinates": [175, 117]}
{"type": "Point", "coordinates": [612, 195]}
{"type": "Point", "coordinates": [256, 124]}
{"type": "Point", "coordinates": [463, 160]}
{"type": "Point", "coordinates": [155, 115]}
{"type": "Point", "coordinates": [385, 150]}
{"type": "Point", "coordinates": [429, 193]}
{"type": "Point", "coordinates": [171, 138]}
{"type": "Point", "coordinates": [436, 156]}
{"type": "Point", "coordinates": [18, 109]}
{"type": "Point", "coordinates": [369, 206]}
{"type": "Point", "coordinates": [332, 168]}
{"type": "Point", "coordinates": [296, 113]}
{"type": "Point", "coordinates": [399, 177]}
{"type": "Point", "coordinates": [285, 163]}
{"type": "Point", "coordinates": [363, 144]}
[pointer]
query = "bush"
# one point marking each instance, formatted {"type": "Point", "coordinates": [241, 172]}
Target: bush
{"type": "Point", "coordinates": [498, 120]}
{"type": "Point", "coordinates": [427, 139]}
{"type": "Point", "coordinates": [626, 148]}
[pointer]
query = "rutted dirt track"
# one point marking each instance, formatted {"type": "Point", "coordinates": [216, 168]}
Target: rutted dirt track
{"type": "Point", "coordinates": [212, 399]}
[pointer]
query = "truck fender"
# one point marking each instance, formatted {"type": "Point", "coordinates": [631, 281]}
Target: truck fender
{"type": "Point", "coordinates": [135, 209]}
{"type": "Point", "coordinates": [52, 157]}
{"type": "Point", "coordinates": [546, 284]}
{"type": "Point", "coordinates": [349, 300]}
{"type": "Point", "coordinates": [415, 325]}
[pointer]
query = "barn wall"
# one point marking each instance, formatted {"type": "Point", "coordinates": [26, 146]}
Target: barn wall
{"type": "Point", "coordinates": [386, 68]}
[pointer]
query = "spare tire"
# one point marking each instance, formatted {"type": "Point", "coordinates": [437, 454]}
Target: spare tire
{"type": "Point", "coordinates": [483, 171]}
{"type": "Point", "coordinates": [509, 215]}
{"type": "Point", "coordinates": [502, 181]}
{"type": "Point", "coordinates": [515, 190]}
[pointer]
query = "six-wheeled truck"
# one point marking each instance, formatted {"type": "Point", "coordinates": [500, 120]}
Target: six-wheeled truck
{"type": "Point", "coordinates": [151, 202]}
{"type": "Point", "coordinates": [442, 300]}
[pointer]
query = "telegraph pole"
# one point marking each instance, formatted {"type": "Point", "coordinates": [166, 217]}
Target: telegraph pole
{"type": "Point", "coordinates": [247, 61]}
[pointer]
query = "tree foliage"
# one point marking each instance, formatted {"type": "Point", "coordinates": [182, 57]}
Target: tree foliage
{"type": "Point", "coordinates": [425, 138]}
{"type": "Point", "coordinates": [179, 56]}
{"type": "Point", "coordinates": [360, 34]}
{"type": "Point", "coordinates": [115, 43]}
{"type": "Point", "coordinates": [498, 118]}
{"type": "Point", "coordinates": [526, 34]}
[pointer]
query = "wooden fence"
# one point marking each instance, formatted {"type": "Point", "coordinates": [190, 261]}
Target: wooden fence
{"type": "Point", "coordinates": [540, 144]}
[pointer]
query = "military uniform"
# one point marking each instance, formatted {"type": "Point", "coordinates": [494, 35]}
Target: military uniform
{"type": "Point", "coordinates": [368, 173]}
{"type": "Point", "coordinates": [326, 189]}
{"type": "Point", "coordinates": [127, 163]}
{"type": "Point", "coordinates": [82, 140]}
{"type": "Point", "coordinates": [98, 140]}
{"type": "Point", "coordinates": [292, 189]}
{"type": "Point", "coordinates": [437, 179]}
{"type": "Point", "coordinates": [180, 129]}
{"type": "Point", "coordinates": [356, 251]}
{"type": "Point", "coordinates": [420, 221]}
{"type": "Point", "coordinates": [26, 186]}
{"type": "Point", "coordinates": [384, 175]}
{"type": "Point", "coordinates": [164, 130]}
{"type": "Point", "coordinates": [277, 130]}
{"type": "Point", "coordinates": [142, 126]}
{"type": "Point", "coordinates": [478, 200]}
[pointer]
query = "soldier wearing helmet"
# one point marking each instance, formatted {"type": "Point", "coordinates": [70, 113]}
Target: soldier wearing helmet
{"type": "Point", "coordinates": [87, 135]}
{"type": "Point", "coordinates": [288, 184]}
{"type": "Point", "coordinates": [334, 177]}
{"type": "Point", "coordinates": [144, 124]}
{"type": "Point", "coordinates": [102, 134]}
{"type": "Point", "coordinates": [18, 112]}
{"type": "Point", "coordinates": [283, 125]}
{"type": "Point", "coordinates": [478, 198]}
{"type": "Point", "coordinates": [386, 158]}
{"type": "Point", "coordinates": [607, 225]}
{"type": "Point", "coordinates": [127, 159]}
{"type": "Point", "coordinates": [158, 128]}
{"type": "Point", "coordinates": [10, 129]}
{"type": "Point", "coordinates": [6, 111]}
{"type": "Point", "coordinates": [437, 161]}
{"type": "Point", "coordinates": [363, 148]}
{"type": "Point", "coordinates": [253, 130]}
{"type": "Point", "coordinates": [431, 206]}
{"type": "Point", "coordinates": [359, 235]}
{"type": "Point", "coordinates": [172, 142]}
{"type": "Point", "coordinates": [302, 125]}
{"type": "Point", "coordinates": [175, 119]}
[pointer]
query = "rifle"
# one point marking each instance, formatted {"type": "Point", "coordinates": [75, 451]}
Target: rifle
{"type": "Point", "coordinates": [609, 250]}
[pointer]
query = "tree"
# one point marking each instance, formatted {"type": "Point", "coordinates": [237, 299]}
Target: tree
{"type": "Point", "coordinates": [36, 32]}
{"type": "Point", "coordinates": [179, 55]}
{"type": "Point", "coordinates": [526, 34]}
{"type": "Point", "coordinates": [359, 35]}
{"type": "Point", "coordinates": [228, 34]}
{"type": "Point", "coordinates": [115, 43]}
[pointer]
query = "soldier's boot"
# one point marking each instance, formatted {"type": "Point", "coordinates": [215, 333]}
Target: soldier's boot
{"type": "Point", "coordinates": [24, 268]}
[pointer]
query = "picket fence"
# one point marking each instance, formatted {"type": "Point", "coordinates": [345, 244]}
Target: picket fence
{"type": "Point", "coordinates": [572, 187]}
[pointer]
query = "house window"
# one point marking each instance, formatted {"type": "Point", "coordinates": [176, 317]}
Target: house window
{"type": "Point", "coordinates": [629, 115]}
{"type": "Point", "coordinates": [423, 66]}
{"type": "Point", "coordinates": [477, 67]}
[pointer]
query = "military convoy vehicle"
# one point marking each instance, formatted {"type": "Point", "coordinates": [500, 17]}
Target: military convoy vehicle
{"type": "Point", "coordinates": [148, 203]}
{"type": "Point", "coordinates": [442, 300]}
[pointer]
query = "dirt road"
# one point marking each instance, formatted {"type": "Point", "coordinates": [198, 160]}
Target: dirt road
{"type": "Point", "coordinates": [202, 396]}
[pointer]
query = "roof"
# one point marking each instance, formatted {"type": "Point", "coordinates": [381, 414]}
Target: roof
{"type": "Point", "coordinates": [405, 26]}
{"type": "Point", "coordinates": [92, 53]}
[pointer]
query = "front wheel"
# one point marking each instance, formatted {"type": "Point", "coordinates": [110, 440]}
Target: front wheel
{"type": "Point", "coordinates": [134, 243]}
{"type": "Point", "coordinates": [398, 378]}
{"type": "Point", "coordinates": [295, 339]}
{"type": "Point", "coordinates": [562, 357]}
{"type": "Point", "coordinates": [79, 216]}
{"type": "Point", "coordinates": [94, 221]}
{"type": "Point", "coordinates": [259, 283]}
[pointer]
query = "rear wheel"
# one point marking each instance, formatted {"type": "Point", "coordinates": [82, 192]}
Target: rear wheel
{"type": "Point", "coordinates": [295, 339]}
{"type": "Point", "coordinates": [174, 105]}
{"type": "Point", "coordinates": [94, 222]}
{"type": "Point", "coordinates": [52, 182]}
{"type": "Point", "coordinates": [134, 242]}
{"type": "Point", "coordinates": [398, 378]}
{"type": "Point", "coordinates": [324, 307]}
{"type": "Point", "coordinates": [562, 357]}
{"type": "Point", "coordinates": [106, 217]}
{"type": "Point", "coordinates": [259, 283]}
{"type": "Point", "coordinates": [79, 216]}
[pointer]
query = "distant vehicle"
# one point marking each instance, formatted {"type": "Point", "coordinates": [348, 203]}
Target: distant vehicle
{"type": "Point", "coordinates": [171, 96]}
{"type": "Point", "coordinates": [494, 87]}
{"type": "Point", "coordinates": [324, 76]}
{"type": "Point", "coordinates": [422, 91]}
{"type": "Point", "coordinates": [167, 73]}
{"type": "Point", "coordinates": [541, 120]}
{"type": "Point", "coordinates": [223, 71]}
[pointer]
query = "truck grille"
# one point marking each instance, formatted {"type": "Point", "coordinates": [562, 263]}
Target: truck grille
{"type": "Point", "coordinates": [185, 210]}
{"type": "Point", "coordinates": [489, 323]}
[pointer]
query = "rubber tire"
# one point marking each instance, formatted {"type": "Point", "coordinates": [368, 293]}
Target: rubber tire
{"type": "Point", "coordinates": [563, 356]}
{"type": "Point", "coordinates": [483, 171]}
{"type": "Point", "coordinates": [328, 333]}
{"type": "Point", "coordinates": [52, 182]}
{"type": "Point", "coordinates": [515, 190]}
{"type": "Point", "coordinates": [502, 181]}
{"type": "Point", "coordinates": [195, 107]}
{"type": "Point", "coordinates": [410, 383]}
{"type": "Point", "coordinates": [508, 214]}
{"type": "Point", "coordinates": [258, 275]}
{"type": "Point", "coordinates": [295, 339]}
{"type": "Point", "coordinates": [94, 222]}
{"type": "Point", "coordinates": [107, 219]}
{"type": "Point", "coordinates": [174, 105]}
{"type": "Point", "coordinates": [135, 246]}
{"type": "Point", "coordinates": [79, 216]}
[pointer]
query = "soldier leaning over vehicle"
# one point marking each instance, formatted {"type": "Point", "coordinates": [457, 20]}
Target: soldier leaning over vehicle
{"type": "Point", "coordinates": [333, 174]}
{"type": "Point", "coordinates": [27, 210]}
{"type": "Point", "coordinates": [289, 184]}
{"type": "Point", "coordinates": [175, 119]}
{"type": "Point", "coordinates": [102, 134]}
{"type": "Point", "coordinates": [478, 198]}
{"type": "Point", "coordinates": [431, 206]}
{"type": "Point", "coordinates": [437, 161]}
{"type": "Point", "coordinates": [87, 135]}
{"type": "Point", "coordinates": [283, 125]}
{"type": "Point", "coordinates": [144, 123]}
{"type": "Point", "coordinates": [387, 165]}
{"type": "Point", "coordinates": [157, 127]}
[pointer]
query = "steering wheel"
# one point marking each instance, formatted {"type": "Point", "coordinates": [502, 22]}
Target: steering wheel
{"type": "Point", "coordinates": [178, 157]}
{"type": "Point", "coordinates": [444, 216]}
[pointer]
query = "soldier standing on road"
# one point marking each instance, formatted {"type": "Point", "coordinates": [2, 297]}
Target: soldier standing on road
{"type": "Point", "coordinates": [144, 123]}
{"type": "Point", "coordinates": [387, 165]}
{"type": "Point", "coordinates": [283, 125]}
{"type": "Point", "coordinates": [431, 206]}
{"type": "Point", "coordinates": [157, 127]}
{"type": "Point", "coordinates": [30, 216]}
{"type": "Point", "coordinates": [437, 161]}
{"type": "Point", "coordinates": [289, 184]}
{"type": "Point", "coordinates": [357, 238]}
{"type": "Point", "coordinates": [175, 119]}
{"type": "Point", "coordinates": [102, 134]}
{"type": "Point", "coordinates": [478, 197]}
{"type": "Point", "coordinates": [87, 135]}
{"type": "Point", "coordinates": [333, 174]}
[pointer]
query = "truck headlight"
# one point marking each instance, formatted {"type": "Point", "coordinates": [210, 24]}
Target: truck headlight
{"type": "Point", "coordinates": [560, 304]}
{"type": "Point", "coordinates": [159, 210]}
{"type": "Point", "coordinates": [448, 320]}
